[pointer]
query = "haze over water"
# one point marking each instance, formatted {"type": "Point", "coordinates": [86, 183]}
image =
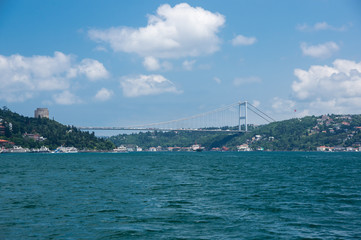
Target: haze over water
{"type": "Point", "coordinates": [180, 196]}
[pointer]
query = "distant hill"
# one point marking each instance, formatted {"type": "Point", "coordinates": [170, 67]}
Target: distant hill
{"type": "Point", "coordinates": [36, 132]}
{"type": "Point", "coordinates": [308, 133]}
{"type": "Point", "coordinates": [173, 139]}
{"type": "Point", "coordinates": [298, 134]}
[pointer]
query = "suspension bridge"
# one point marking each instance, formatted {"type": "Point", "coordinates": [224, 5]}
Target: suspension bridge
{"type": "Point", "coordinates": [230, 118]}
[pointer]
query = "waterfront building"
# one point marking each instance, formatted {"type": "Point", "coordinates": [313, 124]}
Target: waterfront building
{"type": "Point", "coordinates": [321, 148]}
{"type": "Point", "coordinates": [152, 149]}
{"type": "Point", "coordinates": [243, 148]}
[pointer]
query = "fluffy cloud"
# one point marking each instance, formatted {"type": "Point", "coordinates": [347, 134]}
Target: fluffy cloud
{"type": "Point", "coordinates": [104, 94]}
{"type": "Point", "coordinates": [188, 65]}
{"type": "Point", "coordinates": [280, 105]}
{"type": "Point", "coordinates": [335, 88]}
{"type": "Point", "coordinates": [320, 26]}
{"type": "Point", "coordinates": [242, 40]}
{"type": "Point", "coordinates": [66, 98]}
{"type": "Point", "coordinates": [246, 80]}
{"type": "Point", "coordinates": [92, 69]}
{"type": "Point", "coordinates": [173, 32]}
{"type": "Point", "coordinates": [22, 77]}
{"type": "Point", "coordinates": [151, 63]}
{"type": "Point", "coordinates": [143, 85]}
{"type": "Point", "coordinates": [319, 51]}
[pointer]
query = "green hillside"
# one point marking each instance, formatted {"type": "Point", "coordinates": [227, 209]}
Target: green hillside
{"type": "Point", "coordinates": [36, 132]}
{"type": "Point", "coordinates": [299, 134]}
{"type": "Point", "coordinates": [173, 139]}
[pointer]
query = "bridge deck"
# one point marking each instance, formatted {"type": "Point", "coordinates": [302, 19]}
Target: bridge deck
{"type": "Point", "coordinates": [212, 121]}
{"type": "Point", "coordinates": [157, 129]}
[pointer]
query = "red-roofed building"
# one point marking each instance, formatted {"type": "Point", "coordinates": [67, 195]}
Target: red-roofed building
{"type": "Point", "coordinates": [35, 137]}
{"type": "Point", "coordinates": [4, 142]}
{"type": "Point", "coordinates": [2, 130]}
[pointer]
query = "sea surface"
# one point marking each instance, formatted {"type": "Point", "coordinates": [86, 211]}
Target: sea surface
{"type": "Point", "coordinates": [207, 195]}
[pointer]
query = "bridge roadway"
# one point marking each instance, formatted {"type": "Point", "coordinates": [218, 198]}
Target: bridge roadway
{"type": "Point", "coordinates": [157, 129]}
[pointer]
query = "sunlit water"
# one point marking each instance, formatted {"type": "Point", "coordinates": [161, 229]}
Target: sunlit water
{"type": "Point", "coordinates": [180, 196]}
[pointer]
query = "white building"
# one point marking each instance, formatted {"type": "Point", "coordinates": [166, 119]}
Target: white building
{"type": "Point", "coordinates": [152, 149]}
{"type": "Point", "coordinates": [243, 148]}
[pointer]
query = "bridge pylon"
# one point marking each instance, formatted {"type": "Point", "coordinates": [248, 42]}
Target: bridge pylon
{"type": "Point", "coordinates": [242, 110]}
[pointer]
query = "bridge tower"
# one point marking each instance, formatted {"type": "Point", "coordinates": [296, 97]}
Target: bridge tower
{"type": "Point", "coordinates": [242, 115]}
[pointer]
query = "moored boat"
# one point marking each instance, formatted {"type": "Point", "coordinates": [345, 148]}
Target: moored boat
{"type": "Point", "coordinates": [16, 149]}
{"type": "Point", "coordinates": [43, 149]}
{"type": "Point", "coordinates": [66, 150]}
{"type": "Point", "coordinates": [197, 148]}
{"type": "Point", "coordinates": [120, 149]}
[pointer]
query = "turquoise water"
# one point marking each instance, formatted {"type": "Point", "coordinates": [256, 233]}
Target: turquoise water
{"type": "Point", "coordinates": [180, 196]}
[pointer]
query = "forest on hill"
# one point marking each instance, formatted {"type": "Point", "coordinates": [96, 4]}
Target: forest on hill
{"type": "Point", "coordinates": [297, 134]}
{"type": "Point", "coordinates": [32, 132]}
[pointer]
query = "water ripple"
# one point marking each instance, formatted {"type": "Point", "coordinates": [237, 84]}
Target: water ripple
{"type": "Point", "coordinates": [181, 196]}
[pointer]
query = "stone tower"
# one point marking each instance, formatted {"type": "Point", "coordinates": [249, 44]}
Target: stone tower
{"type": "Point", "coordinates": [41, 112]}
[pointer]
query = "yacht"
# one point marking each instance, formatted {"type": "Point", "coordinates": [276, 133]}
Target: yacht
{"type": "Point", "coordinates": [121, 148]}
{"type": "Point", "coordinates": [66, 150]}
{"type": "Point", "coordinates": [43, 149]}
{"type": "Point", "coordinates": [197, 148]}
{"type": "Point", "coordinates": [16, 149]}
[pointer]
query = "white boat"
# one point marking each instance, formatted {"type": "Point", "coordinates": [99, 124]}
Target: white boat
{"type": "Point", "coordinates": [43, 149]}
{"type": "Point", "coordinates": [16, 149]}
{"type": "Point", "coordinates": [66, 150]}
{"type": "Point", "coordinates": [197, 148]}
{"type": "Point", "coordinates": [121, 148]}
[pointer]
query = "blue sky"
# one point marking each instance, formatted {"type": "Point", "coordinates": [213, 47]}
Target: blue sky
{"type": "Point", "coordinates": [119, 63]}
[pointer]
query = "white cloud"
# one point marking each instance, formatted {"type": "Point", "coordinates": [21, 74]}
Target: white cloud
{"type": "Point", "coordinates": [334, 89]}
{"type": "Point", "coordinates": [280, 105]}
{"type": "Point", "coordinates": [217, 80]}
{"type": "Point", "coordinates": [188, 65]}
{"type": "Point", "coordinates": [319, 51]}
{"type": "Point", "coordinates": [143, 85]}
{"type": "Point", "coordinates": [166, 66]}
{"type": "Point", "coordinates": [151, 63]}
{"type": "Point", "coordinates": [93, 69]}
{"type": "Point", "coordinates": [100, 49]}
{"type": "Point", "coordinates": [103, 94]}
{"type": "Point", "coordinates": [243, 40]}
{"type": "Point", "coordinates": [66, 98]}
{"type": "Point", "coordinates": [246, 80]}
{"type": "Point", "coordinates": [21, 78]}
{"type": "Point", "coordinates": [173, 32]}
{"type": "Point", "coordinates": [319, 26]}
